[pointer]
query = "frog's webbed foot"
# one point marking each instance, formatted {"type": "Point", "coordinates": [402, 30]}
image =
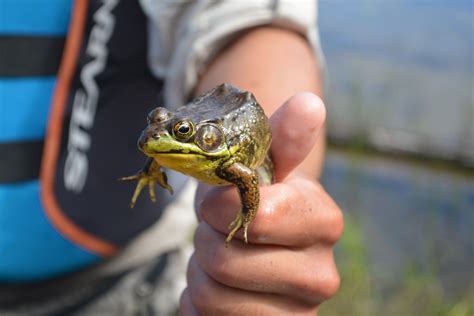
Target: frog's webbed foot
{"type": "Point", "coordinates": [143, 181]}
{"type": "Point", "coordinates": [148, 176]}
{"type": "Point", "coordinates": [246, 181]}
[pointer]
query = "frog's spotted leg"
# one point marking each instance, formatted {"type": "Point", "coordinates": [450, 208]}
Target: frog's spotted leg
{"type": "Point", "coordinates": [148, 176]}
{"type": "Point", "coordinates": [246, 180]}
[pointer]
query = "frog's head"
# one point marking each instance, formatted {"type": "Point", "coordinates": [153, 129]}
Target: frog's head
{"type": "Point", "coordinates": [180, 143]}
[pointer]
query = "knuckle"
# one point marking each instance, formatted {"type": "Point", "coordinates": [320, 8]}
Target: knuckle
{"type": "Point", "coordinates": [271, 211]}
{"type": "Point", "coordinates": [191, 270]}
{"type": "Point", "coordinates": [336, 222]}
{"type": "Point", "coordinates": [318, 284]}
{"type": "Point", "coordinates": [329, 284]}
{"type": "Point", "coordinates": [185, 303]}
{"type": "Point", "coordinates": [200, 301]}
{"type": "Point", "coordinates": [198, 286]}
{"type": "Point", "coordinates": [329, 216]}
{"type": "Point", "coordinates": [200, 238]}
{"type": "Point", "coordinates": [183, 298]}
{"type": "Point", "coordinates": [263, 225]}
{"type": "Point", "coordinates": [201, 297]}
{"type": "Point", "coordinates": [218, 266]}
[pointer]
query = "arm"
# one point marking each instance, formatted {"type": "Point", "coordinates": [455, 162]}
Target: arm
{"type": "Point", "coordinates": [273, 64]}
{"type": "Point", "coordinates": [288, 266]}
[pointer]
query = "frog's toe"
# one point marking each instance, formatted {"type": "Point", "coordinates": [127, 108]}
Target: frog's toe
{"type": "Point", "coordinates": [163, 181]}
{"type": "Point", "coordinates": [235, 222]}
{"type": "Point", "coordinates": [246, 226]}
{"type": "Point", "coordinates": [129, 178]}
{"type": "Point", "coordinates": [142, 182]}
{"type": "Point", "coordinates": [169, 188]}
{"type": "Point", "coordinates": [151, 190]}
{"type": "Point", "coordinates": [234, 227]}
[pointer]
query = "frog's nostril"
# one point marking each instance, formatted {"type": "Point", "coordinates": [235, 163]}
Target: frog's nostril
{"type": "Point", "coordinates": [155, 135]}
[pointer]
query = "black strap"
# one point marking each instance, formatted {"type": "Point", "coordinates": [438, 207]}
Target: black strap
{"type": "Point", "coordinates": [20, 161]}
{"type": "Point", "coordinates": [30, 55]}
{"type": "Point", "coordinates": [68, 295]}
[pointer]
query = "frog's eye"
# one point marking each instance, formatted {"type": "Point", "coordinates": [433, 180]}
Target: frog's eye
{"type": "Point", "coordinates": [183, 130]}
{"type": "Point", "coordinates": [209, 137]}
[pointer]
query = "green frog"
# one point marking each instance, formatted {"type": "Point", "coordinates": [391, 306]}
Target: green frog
{"type": "Point", "coordinates": [220, 138]}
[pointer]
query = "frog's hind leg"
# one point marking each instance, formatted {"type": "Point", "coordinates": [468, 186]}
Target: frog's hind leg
{"type": "Point", "coordinates": [246, 180]}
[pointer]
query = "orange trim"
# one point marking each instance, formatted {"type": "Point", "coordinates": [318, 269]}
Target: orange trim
{"type": "Point", "coordinates": [55, 126]}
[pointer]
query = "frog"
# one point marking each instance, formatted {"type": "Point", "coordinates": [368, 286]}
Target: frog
{"type": "Point", "coordinates": [222, 137]}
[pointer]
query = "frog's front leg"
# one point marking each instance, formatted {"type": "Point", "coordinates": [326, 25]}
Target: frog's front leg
{"type": "Point", "coordinates": [148, 176]}
{"type": "Point", "coordinates": [246, 180]}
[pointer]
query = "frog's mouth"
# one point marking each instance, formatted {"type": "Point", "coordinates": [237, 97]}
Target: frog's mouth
{"type": "Point", "coordinates": [170, 152]}
{"type": "Point", "coordinates": [166, 145]}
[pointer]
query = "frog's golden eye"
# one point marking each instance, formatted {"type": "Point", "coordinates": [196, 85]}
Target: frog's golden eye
{"type": "Point", "coordinates": [183, 130]}
{"type": "Point", "coordinates": [209, 137]}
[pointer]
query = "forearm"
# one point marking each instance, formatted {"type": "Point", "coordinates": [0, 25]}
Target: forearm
{"type": "Point", "coordinates": [273, 64]}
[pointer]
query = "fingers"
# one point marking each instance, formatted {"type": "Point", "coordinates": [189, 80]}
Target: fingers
{"type": "Point", "coordinates": [308, 275]}
{"type": "Point", "coordinates": [289, 255]}
{"type": "Point", "coordinates": [209, 297]}
{"type": "Point", "coordinates": [186, 307]}
{"type": "Point", "coordinates": [295, 213]}
{"type": "Point", "coordinates": [296, 126]}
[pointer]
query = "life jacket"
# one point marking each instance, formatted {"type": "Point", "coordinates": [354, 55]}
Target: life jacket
{"type": "Point", "coordinates": [75, 89]}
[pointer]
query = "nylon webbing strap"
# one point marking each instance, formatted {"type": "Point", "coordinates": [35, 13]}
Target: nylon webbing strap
{"type": "Point", "coordinates": [69, 294]}
{"type": "Point", "coordinates": [20, 161]}
{"type": "Point", "coordinates": [30, 55]}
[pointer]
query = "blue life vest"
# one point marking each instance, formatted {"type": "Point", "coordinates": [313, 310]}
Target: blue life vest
{"type": "Point", "coordinates": [84, 215]}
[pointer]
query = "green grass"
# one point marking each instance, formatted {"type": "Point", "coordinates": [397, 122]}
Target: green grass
{"type": "Point", "coordinates": [418, 293]}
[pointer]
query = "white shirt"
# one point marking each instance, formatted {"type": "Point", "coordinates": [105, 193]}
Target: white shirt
{"type": "Point", "coordinates": [184, 36]}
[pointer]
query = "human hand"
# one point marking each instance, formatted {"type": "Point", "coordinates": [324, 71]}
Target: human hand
{"type": "Point", "coordinates": [288, 266]}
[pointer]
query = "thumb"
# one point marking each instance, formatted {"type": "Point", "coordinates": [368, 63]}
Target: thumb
{"type": "Point", "coordinates": [296, 126]}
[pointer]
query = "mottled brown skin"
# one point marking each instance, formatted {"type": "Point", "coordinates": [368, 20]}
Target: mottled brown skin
{"type": "Point", "coordinates": [226, 142]}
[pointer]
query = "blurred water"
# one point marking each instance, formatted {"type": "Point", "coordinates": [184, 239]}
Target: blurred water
{"type": "Point", "coordinates": [411, 216]}
{"type": "Point", "coordinates": [400, 80]}
{"type": "Point", "coordinates": [401, 74]}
